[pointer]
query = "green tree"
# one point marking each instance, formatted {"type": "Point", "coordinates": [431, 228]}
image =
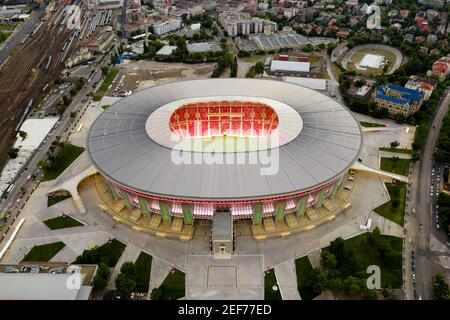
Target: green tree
{"type": "Point", "coordinates": [105, 71]}
{"type": "Point", "coordinates": [22, 134]}
{"type": "Point", "coordinates": [328, 259]}
{"type": "Point", "coordinates": [13, 153]}
{"type": "Point", "coordinates": [352, 285]}
{"type": "Point", "coordinates": [335, 284]}
{"type": "Point", "coordinates": [125, 285]}
{"type": "Point", "coordinates": [318, 281]}
{"type": "Point", "coordinates": [395, 144]}
{"type": "Point", "coordinates": [129, 269]}
{"type": "Point", "coordinates": [440, 288]}
{"type": "Point", "coordinates": [259, 67]}
{"type": "Point", "coordinates": [101, 277]}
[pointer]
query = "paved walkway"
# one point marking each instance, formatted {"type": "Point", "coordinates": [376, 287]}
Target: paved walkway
{"type": "Point", "coordinates": [131, 253]}
{"type": "Point", "coordinates": [386, 226]}
{"type": "Point", "coordinates": [160, 270]}
{"type": "Point", "coordinates": [238, 278]}
{"type": "Point", "coordinates": [287, 280]}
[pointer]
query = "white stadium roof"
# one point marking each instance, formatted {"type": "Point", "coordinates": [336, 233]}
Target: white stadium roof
{"type": "Point", "coordinates": [326, 144]}
{"type": "Point", "coordinates": [371, 61]}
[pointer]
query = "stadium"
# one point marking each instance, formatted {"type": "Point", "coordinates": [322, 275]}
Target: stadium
{"type": "Point", "coordinates": [253, 148]}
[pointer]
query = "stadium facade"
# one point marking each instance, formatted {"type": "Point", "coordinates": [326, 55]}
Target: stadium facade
{"type": "Point", "coordinates": [255, 148]}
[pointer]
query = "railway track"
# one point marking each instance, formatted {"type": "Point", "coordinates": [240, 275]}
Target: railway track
{"type": "Point", "coordinates": [23, 75]}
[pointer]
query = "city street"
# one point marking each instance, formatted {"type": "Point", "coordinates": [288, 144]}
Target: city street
{"type": "Point", "coordinates": [424, 219]}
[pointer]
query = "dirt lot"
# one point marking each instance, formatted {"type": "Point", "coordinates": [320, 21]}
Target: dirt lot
{"type": "Point", "coordinates": [137, 75]}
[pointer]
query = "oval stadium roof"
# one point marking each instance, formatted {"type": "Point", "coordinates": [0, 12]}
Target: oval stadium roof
{"type": "Point", "coordinates": [326, 146]}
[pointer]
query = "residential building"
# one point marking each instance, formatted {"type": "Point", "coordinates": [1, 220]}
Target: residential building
{"type": "Point", "coordinates": [424, 85]}
{"type": "Point", "coordinates": [441, 67]}
{"type": "Point", "coordinates": [240, 23]}
{"type": "Point", "coordinates": [397, 100]}
{"type": "Point", "coordinates": [166, 26]}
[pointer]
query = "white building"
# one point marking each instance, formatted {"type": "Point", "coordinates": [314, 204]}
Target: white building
{"type": "Point", "coordinates": [107, 4]}
{"type": "Point", "coordinates": [166, 26]}
{"type": "Point", "coordinates": [289, 66]}
{"type": "Point", "coordinates": [166, 51]}
{"type": "Point", "coordinates": [236, 23]}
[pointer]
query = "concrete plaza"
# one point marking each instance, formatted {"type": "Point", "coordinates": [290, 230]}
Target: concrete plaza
{"type": "Point", "coordinates": [206, 278]}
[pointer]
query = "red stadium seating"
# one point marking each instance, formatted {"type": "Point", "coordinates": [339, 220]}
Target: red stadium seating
{"type": "Point", "coordinates": [233, 118]}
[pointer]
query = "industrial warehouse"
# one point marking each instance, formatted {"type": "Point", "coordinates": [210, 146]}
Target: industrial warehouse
{"type": "Point", "coordinates": [134, 144]}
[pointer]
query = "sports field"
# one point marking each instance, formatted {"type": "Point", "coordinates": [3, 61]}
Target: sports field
{"type": "Point", "coordinates": [356, 58]}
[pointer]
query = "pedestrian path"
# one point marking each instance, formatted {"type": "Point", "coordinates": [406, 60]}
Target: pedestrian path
{"type": "Point", "coordinates": [131, 253]}
{"type": "Point", "coordinates": [287, 280]}
{"type": "Point", "coordinates": [160, 270]}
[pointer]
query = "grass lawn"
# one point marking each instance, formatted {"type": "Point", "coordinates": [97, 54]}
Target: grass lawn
{"type": "Point", "coordinates": [253, 58]}
{"type": "Point", "coordinates": [269, 281]}
{"type": "Point", "coordinates": [391, 276]}
{"type": "Point", "coordinates": [55, 199]}
{"type": "Point", "coordinates": [389, 209]}
{"type": "Point", "coordinates": [62, 222]}
{"type": "Point", "coordinates": [143, 266]}
{"type": "Point", "coordinates": [4, 36]}
{"type": "Point", "coordinates": [371, 124]}
{"type": "Point", "coordinates": [173, 287]}
{"type": "Point", "coordinates": [106, 83]}
{"type": "Point", "coordinates": [109, 253]}
{"type": "Point", "coordinates": [395, 165]}
{"type": "Point", "coordinates": [66, 155]}
{"type": "Point", "coordinates": [397, 150]}
{"type": "Point", "coordinates": [7, 27]}
{"type": "Point", "coordinates": [113, 250]}
{"type": "Point", "coordinates": [303, 269]}
{"type": "Point", "coordinates": [44, 252]}
{"type": "Point", "coordinates": [106, 106]}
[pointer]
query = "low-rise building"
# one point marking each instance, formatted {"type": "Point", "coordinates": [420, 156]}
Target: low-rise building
{"type": "Point", "coordinates": [165, 51]}
{"type": "Point", "coordinates": [46, 281]}
{"type": "Point", "coordinates": [441, 67]}
{"type": "Point", "coordinates": [102, 41]}
{"type": "Point", "coordinates": [362, 93]}
{"type": "Point", "coordinates": [397, 100]}
{"type": "Point", "coordinates": [166, 26]}
{"type": "Point", "coordinates": [289, 66]}
{"type": "Point", "coordinates": [424, 85]}
{"type": "Point", "coordinates": [212, 46]}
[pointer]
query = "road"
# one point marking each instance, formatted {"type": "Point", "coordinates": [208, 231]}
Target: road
{"type": "Point", "coordinates": [15, 200]}
{"type": "Point", "coordinates": [333, 83]}
{"type": "Point", "coordinates": [424, 203]}
{"type": "Point", "coordinates": [20, 33]}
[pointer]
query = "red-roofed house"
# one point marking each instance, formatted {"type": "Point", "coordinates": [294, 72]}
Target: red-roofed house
{"type": "Point", "coordinates": [424, 85]}
{"type": "Point", "coordinates": [343, 33]}
{"type": "Point", "coordinates": [441, 67]}
{"type": "Point", "coordinates": [331, 28]}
